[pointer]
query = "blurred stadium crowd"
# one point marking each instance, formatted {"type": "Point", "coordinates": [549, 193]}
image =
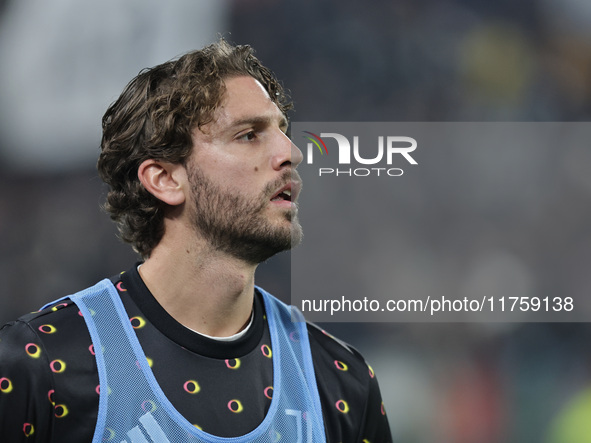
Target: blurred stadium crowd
{"type": "Point", "coordinates": [426, 60]}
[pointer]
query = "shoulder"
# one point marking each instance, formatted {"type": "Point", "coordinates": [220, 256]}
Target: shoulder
{"type": "Point", "coordinates": [44, 322]}
{"type": "Point", "coordinates": [23, 343]}
{"type": "Point", "coordinates": [49, 336]}
{"type": "Point", "coordinates": [32, 353]}
{"type": "Point", "coordinates": [44, 336]}
{"type": "Point", "coordinates": [36, 325]}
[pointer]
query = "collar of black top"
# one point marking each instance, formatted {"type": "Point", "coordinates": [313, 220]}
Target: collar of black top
{"type": "Point", "coordinates": [167, 325]}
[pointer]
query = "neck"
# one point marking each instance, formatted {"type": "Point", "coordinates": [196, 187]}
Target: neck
{"type": "Point", "coordinates": [202, 289]}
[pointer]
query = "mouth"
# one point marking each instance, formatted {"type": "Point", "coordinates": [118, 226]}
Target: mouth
{"type": "Point", "coordinates": [287, 193]}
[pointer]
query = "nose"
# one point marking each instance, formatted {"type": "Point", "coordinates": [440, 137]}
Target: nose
{"type": "Point", "coordinates": [287, 154]}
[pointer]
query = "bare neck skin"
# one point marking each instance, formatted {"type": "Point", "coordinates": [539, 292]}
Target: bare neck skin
{"type": "Point", "coordinates": [202, 289]}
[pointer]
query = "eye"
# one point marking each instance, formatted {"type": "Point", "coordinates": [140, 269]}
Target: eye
{"type": "Point", "coordinates": [249, 136]}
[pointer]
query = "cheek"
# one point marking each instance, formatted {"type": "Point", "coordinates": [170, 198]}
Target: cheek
{"type": "Point", "coordinates": [237, 177]}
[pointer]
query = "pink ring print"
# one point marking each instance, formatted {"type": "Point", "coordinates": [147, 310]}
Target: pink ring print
{"type": "Point", "coordinates": [5, 385]}
{"type": "Point", "coordinates": [268, 391]}
{"type": "Point", "coordinates": [28, 429]}
{"type": "Point", "coordinates": [233, 363]}
{"type": "Point", "coordinates": [148, 406]}
{"type": "Point", "coordinates": [57, 366]}
{"type": "Point", "coordinates": [50, 396]}
{"type": "Point", "coordinates": [137, 322]}
{"type": "Point", "coordinates": [340, 365]}
{"type": "Point", "coordinates": [98, 390]}
{"type": "Point", "coordinates": [192, 387]}
{"type": "Point", "coordinates": [47, 329]}
{"type": "Point", "coordinates": [342, 406]}
{"type": "Point", "coordinates": [235, 406]}
{"type": "Point", "coordinates": [33, 350]}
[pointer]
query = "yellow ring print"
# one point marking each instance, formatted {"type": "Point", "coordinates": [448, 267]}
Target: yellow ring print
{"type": "Point", "coordinates": [266, 350]}
{"type": "Point", "coordinates": [61, 305]}
{"type": "Point", "coordinates": [238, 406]}
{"type": "Point", "coordinates": [372, 374]}
{"type": "Point", "coordinates": [192, 387]}
{"type": "Point", "coordinates": [236, 364]}
{"type": "Point", "coordinates": [137, 322]}
{"type": "Point", "coordinates": [342, 406]}
{"type": "Point", "coordinates": [28, 429]}
{"type": "Point", "coordinates": [58, 366]}
{"type": "Point", "coordinates": [47, 329]}
{"type": "Point", "coordinates": [33, 350]}
{"type": "Point", "coordinates": [61, 411]}
{"type": "Point", "coordinates": [5, 385]}
{"type": "Point", "coordinates": [110, 436]}
{"type": "Point", "coordinates": [341, 366]}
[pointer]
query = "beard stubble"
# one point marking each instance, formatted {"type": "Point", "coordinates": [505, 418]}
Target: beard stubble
{"type": "Point", "coordinates": [237, 225]}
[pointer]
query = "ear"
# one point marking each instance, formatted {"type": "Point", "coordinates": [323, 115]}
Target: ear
{"type": "Point", "coordinates": [164, 180]}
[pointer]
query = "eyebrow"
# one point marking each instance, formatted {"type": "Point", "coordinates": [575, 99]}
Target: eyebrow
{"type": "Point", "coordinates": [260, 121]}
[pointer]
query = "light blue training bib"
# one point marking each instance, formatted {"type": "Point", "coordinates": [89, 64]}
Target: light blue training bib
{"type": "Point", "coordinates": [133, 408]}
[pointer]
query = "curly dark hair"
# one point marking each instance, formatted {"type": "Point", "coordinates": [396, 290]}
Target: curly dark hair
{"type": "Point", "coordinates": [153, 119]}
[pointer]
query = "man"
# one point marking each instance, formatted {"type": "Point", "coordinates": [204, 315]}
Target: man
{"type": "Point", "coordinates": [183, 347]}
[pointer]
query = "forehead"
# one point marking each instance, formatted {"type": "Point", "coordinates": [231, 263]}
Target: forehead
{"type": "Point", "coordinates": [245, 102]}
{"type": "Point", "coordinates": [245, 98]}
{"type": "Point", "coordinates": [244, 87]}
